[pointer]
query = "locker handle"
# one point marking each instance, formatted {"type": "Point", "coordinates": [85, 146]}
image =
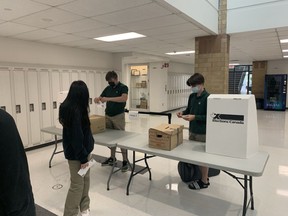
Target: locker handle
{"type": "Point", "coordinates": [43, 106]}
{"type": "Point", "coordinates": [18, 109]}
{"type": "Point", "coordinates": [31, 107]}
{"type": "Point", "coordinates": [54, 105]}
{"type": "Point", "coordinates": [3, 108]}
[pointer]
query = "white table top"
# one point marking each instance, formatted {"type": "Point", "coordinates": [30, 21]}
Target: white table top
{"type": "Point", "coordinates": [194, 152]}
{"type": "Point", "coordinates": [107, 138]}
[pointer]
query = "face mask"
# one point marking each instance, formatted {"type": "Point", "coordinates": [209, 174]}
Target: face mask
{"type": "Point", "coordinates": [195, 89]}
{"type": "Point", "coordinates": [112, 84]}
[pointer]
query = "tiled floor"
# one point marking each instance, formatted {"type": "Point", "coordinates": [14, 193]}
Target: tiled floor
{"type": "Point", "coordinates": [166, 194]}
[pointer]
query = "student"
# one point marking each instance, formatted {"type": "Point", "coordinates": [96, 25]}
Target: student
{"type": "Point", "coordinates": [115, 94]}
{"type": "Point", "coordinates": [16, 196]}
{"type": "Point", "coordinates": [196, 113]}
{"type": "Point", "coordinates": [78, 143]}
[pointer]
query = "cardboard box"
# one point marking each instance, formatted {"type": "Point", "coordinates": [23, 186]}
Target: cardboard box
{"type": "Point", "coordinates": [166, 136]}
{"type": "Point", "coordinates": [98, 123]}
{"type": "Point", "coordinates": [232, 128]}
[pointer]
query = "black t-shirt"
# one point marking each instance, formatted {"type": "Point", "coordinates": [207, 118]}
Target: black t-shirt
{"type": "Point", "coordinates": [115, 108]}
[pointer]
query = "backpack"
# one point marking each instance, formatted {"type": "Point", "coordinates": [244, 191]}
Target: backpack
{"type": "Point", "coordinates": [191, 172]}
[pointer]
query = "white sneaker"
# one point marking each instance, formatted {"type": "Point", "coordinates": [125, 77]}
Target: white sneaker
{"type": "Point", "coordinates": [86, 212]}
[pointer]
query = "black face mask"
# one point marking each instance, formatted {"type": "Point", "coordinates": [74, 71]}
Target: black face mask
{"type": "Point", "coordinates": [112, 84]}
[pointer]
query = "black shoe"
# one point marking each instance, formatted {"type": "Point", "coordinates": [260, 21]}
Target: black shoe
{"type": "Point", "coordinates": [125, 166]}
{"type": "Point", "coordinates": [109, 162]}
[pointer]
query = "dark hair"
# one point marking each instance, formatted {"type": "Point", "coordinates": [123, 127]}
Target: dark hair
{"type": "Point", "coordinates": [77, 100]}
{"type": "Point", "coordinates": [111, 75]}
{"type": "Point", "coordinates": [195, 79]}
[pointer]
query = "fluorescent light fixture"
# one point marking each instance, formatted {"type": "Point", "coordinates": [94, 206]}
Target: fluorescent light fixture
{"type": "Point", "coordinates": [283, 170]}
{"type": "Point", "coordinates": [233, 64]}
{"type": "Point", "coordinates": [286, 50]}
{"type": "Point", "coordinates": [284, 41]}
{"type": "Point", "coordinates": [181, 52]}
{"type": "Point", "coordinates": [285, 56]}
{"type": "Point", "coordinates": [119, 37]}
{"type": "Point", "coordinates": [282, 192]}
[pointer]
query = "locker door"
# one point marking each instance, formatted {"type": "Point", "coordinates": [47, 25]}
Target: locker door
{"type": "Point", "coordinates": [5, 91]}
{"type": "Point", "coordinates": [55, 83]}
{"type": "Point", "coordinates": [33, 107]}
{"type": "Point", "coordinates": [65, 80]}
{"type": "Point", "coordinates": [91, 86]}
{"type": "Point", "coordinates": [83, 76]}
{"type": "Point", "coordinates": [45, 103]}
{"type": "Point", "coordinates": [20, 104]}
{"type": "Point", "coordinates": [99, 87]}
{"type": "Point", "coordinates": [74, 76]}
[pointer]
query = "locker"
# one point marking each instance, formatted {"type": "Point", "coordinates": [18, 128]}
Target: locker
{"type": "Point", "coordinates": [45, 103]}
{"type": "Point", "coordinates": [55, 89]}
{"type": "Point", "coordinates": [99, 87]}
{"type": "Point", "coordinates": [5, 90]}
{"type": "Point", "coordinates": [20, 104]}
{"type": "Point", "coordinates": [83, 76]}
{"type": "Point", "coordinates": [65, 80]}
{"type": "Point", "coordinates": [33, 107]}
{"type": "Point", "coordinates": [91, 86]}
{"type": "Point", "coordinates": [74, 76]}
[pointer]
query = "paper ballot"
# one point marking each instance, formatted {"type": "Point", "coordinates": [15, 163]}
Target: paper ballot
{"type": "Point", "coordinates": [133, 114]}
{"type": "Point", "coordinates": [82, 172]}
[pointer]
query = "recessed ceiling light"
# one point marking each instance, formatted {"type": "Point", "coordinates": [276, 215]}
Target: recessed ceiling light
{"type": "Point", "coordinates": [285, 56]}
{"type": "Point", "coordinates": [180, 52]}
{"type": "Point", "coordinates": [119, 37]}
{"type": "Point", "coordinates": [284, 41]}
{"type": "Point", "coordinates": [286, 50]}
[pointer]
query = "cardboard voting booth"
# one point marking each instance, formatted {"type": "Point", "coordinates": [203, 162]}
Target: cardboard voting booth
{"type": "Point", "coordinates": [232, 128]}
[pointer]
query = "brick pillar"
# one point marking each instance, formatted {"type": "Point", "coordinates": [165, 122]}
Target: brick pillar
{"type": "Point", "coordinates": [212, 60]}
{"type": "Point", "coordinates": [212, 55]}
{"type": "Point", "coordinates": [258, 79]}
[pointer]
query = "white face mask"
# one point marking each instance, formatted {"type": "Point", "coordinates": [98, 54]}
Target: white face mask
{"type": "Point", "coordinates": [195, 89]}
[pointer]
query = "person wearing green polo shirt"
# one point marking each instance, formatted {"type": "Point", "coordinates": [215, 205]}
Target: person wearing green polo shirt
{"type": "Point", "coordinates": [196, 113]}
{"type": "Point", "coordinates": [115, 95]}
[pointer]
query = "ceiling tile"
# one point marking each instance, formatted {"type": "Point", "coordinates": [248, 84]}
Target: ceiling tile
{"type": "Point", "coordinates": [147, 11]}
{"type": "Point", "coordinates": [48, 18]}
{"type": "Point", "coordinates": [90, 8]}
{"type": "Point", "coordinates": [79, 26]}
{"type": "Point", "coordinates": [38, 34]}
{"type": "Point", "coordinates": [62, 39]}
{"type": "Point", "coordinates": [53, 2]}
{"type": "Point", "coordinates": [101, 32]}
{"type": "Point", "coordinates": [10, 29]}
{"type": "Point", "coordinates": [12, 9]}
{"type": "Point", "coordinates": [80, 42]}
{"type": "Point", "coordinates": [153, 23]}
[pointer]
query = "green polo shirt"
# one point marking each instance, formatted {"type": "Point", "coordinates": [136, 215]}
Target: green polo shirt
{"type": "Point", "coordinates": [115, 108]}
{"type": "Point", "coordinates": [197, 105]}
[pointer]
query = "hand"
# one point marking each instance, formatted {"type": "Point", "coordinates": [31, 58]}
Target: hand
{"type": "Point", "coordinates": [188, 117]}
{"type": "Point", "coordinates": [104, 99]}
{"type": "Point", "coordinates": [179, 114]}
{"type": "Point", "coordinates": [97, 100]}
{"type": "Point", "coordinates": [83, 166]}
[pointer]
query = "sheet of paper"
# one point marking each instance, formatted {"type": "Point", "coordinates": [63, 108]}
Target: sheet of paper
{"type": "Point", "coordinates": [82, 172]}
{"type": "Point", "coordinates": [133, 115]}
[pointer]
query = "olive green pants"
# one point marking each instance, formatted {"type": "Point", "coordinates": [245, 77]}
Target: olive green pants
{"type": "Point", "coordinates": [77, 197]}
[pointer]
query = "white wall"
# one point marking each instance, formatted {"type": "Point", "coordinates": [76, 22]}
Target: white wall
{"type": "Point", "coordinates": [203, 12]}
{"type": "Point", "coordinates": [20, 51]}
{"type": "Point", "coordinates": [252, 15]}
{"type": "Point", "coordinates": [176, 67]}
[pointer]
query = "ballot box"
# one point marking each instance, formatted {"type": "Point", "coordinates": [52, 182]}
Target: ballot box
{"type": "Point", "coordinates": [232, 128]}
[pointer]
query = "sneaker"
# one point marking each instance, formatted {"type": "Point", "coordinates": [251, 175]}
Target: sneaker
{"type": "Point", "coordinates": [125, 166]}
{"type": "Point", "coordinates": [85, 213]}
{"type": "Point", "coordinates": [109, 162]}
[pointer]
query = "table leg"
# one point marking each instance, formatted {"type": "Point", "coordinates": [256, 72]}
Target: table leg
{"type": "Point", "coordinates": [251, 192]}
{"type": "Point", "coordinates": [147, 166]}
{"type": "Point", "coordinates": [110, 176]}
{"type": "Point", "coordinates": [55, 149]}
{"type": "Point", "coordinates": [131, 174]}
{"type": "Point", "coordinates": [245, 195]}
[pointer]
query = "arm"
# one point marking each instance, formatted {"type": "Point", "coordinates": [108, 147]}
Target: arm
{"type": "Point", "coordinates": [77, 138]}
{"type": "Point", "coordinates": [121, 99]}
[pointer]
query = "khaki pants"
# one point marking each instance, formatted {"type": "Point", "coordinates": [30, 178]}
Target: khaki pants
{"type": "Point", "coordinates": [116, 122]}
{"type": "Point", "coordinates": [77, 196]}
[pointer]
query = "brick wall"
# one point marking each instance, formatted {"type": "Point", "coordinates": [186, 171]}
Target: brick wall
{"type": "Point", "coordinates": [258, 79]}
